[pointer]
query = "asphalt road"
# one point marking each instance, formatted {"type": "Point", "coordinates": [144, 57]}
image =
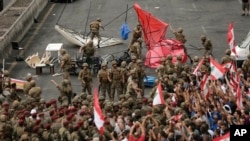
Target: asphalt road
{"type": "Point", "coordinates": [197, 17]}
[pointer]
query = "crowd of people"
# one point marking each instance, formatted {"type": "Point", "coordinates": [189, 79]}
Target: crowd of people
{"type": "Point", "coordinates": [187, 114]}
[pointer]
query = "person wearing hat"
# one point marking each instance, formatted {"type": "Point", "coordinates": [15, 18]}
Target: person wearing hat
{"type": "Point", "coordinates": [207, 45]}
{"type": "Point", "coordinates": [116, 78]}
{"type": "Point", "coordinates": [102, 77]}
{"type": "Point", "coordinates": [65, 63]}
{"type": "Point", "coordinates": [125, 72]}
{"type": "Point", "coordinates": [35, 91]}
{"type": "Point", "coordinates": [94, 30]}
{"type": "Point", "coordinates": [65, 91]}
{"type": "Point", "coordinates": [133, 89]}
{"type": "Point", "coordinates": [178, 66]}
{"type": "Point", "coordinates": [6, 80]}
{"type": "Point", "coordinates": [132, 64]}
{"type": "Point", "coordinates": [85, 77]}
{"type": "Point", "coordinates": [140, 72]}
{"type": "Point", "coordinates": [136, 34]}
{"type": "Point", "coordinates": [26, 85]}
{"type": "Point", "coordinates": [88, 51]}
{"type": "Point", "coordinates": [135, 49]}
{"type": "Point", "coordinates": [64, 133]}
{"type": "Point", "coordinates": [227, 57]}
{"type": "Point", "coordinates": [169, 63]}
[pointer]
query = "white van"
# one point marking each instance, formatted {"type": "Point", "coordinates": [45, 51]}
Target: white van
{"type": "Point", "coordinates": [242, 50]}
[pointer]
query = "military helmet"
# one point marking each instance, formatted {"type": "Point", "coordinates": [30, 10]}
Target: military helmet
{"type": "Point", "coordinates": [139, 61]}
{"type": "Point", "coordinates": [28, 76]}
{"type": "Point", "coordinates": [179, 57]}
{"type": "Point", "coordinates": [169, 57]}
{"type": "Point", "coordinates": [99, 19]}
{"type": "Point", "coordinates": [114, 62]}
{"type": "Point", "coordinates": [170, 71]}
{"type": "Point", "coordinates": [85, 65]}
{"type": "Point", "coordinates": [6, 73]}
{"type": "Point", "coordinates": [228, 52]}
{"type": "Point", "coordinates": [163, 59]}
{"type": "Point", "coordinates": [180, 30]}
{"type": "Point", "coordinates": [124, 63]}
{"type": "Point", "coordinates": [203, 37]}
{"type": "Point", "coordinates": [196, 58]}
{"type": "Point", "coordinates": [133, 57]}
{"type": "Point", "coordinates": [63, 51]}
{"type": "Point", "coordinates": [104, 65]}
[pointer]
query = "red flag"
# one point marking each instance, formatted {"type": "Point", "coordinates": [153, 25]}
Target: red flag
{"type": "Point", "coordinates": [98, 116]}
{"type": "Point", "coordinates": [177, 117]}
{"type": "Point", "coordinates": [230, 38]}
{"type": "Point", "coordinates": [225, 137]}
{"type": "Point", "coordinates": [204, 86]}
{"type": "Point", "coordinates": [217, 70]}
{"type": "Point", "coordinates": [158, 98]}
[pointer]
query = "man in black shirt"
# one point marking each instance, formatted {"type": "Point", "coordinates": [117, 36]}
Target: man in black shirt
{"type": "Point", "coordinates": [245, 7]}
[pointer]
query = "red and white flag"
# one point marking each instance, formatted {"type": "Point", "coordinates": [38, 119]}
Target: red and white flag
{"type": "Point", "coordinates": [230, 38]}
{"type": "Point", "coordinates": [98, 116]}
{"type": "Point", "coordinates": [204, 86]}
{"type": "Point", "coordinates": [217, 71]}
{"type": "Point", "coordinates": [198, 67]}
{"type": "Point", "coordinates": [177, 117]}
{"type": "Point", "coordinates": [239, 97]}
{"type": "Point", "coordinates": [230, 66]}
{"type": "Point", "coordinates": [158, 98]}
{"type": "Point", "coordinates": [225, 137]}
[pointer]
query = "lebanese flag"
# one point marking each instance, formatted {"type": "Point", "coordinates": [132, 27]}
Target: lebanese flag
{"type": "Point", "coordinates": [98, 116]}
{"type": "Point", "coordinates": [198, 67]}
{"type": "Point", "coordinates": [225, 137]}
{"type": "Point", "coordinates": [230, 66]}
{"type": "Point", "coordinates": [230, 38]}
{"type": "Point", "coordinates": [239, 97]}
{"type": "Point", "coordinates": [217, 71]}
{"type": "Point", "coordinates": [177, 117]}
{"type": "Point", "coordinates": [158, 98]}
{"type": "Point", "coordinates": [204, 85]}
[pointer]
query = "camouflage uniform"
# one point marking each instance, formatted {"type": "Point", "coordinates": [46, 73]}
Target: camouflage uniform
{"type": "Point", "coordinates": [136, 34]}
{"type": "Point", "coordinates": [102, 77]}
{"type": "Point", "coordinates": [160, 72]}
{"type": "Point", "coordinates": [169, 63]}
{"type": "Point", "coordinates": [132, 64]}
{"type": "Point", "coordinates": [227, 58]}
{"type": "Point", "coordinates": [26, 85]}
{"type": "Point", "coordinates": [207, 46]}
{"type": "Point", "coordinates": [6, 80]}
{"type": "Point", "coordinates": [94, 29]}
{"type": "Point", "coordinates": [116, 78]}
{"type": "Point", "coordinates": [135, 49]}
{"type": "Point", "coordinates": [65, 62]}
{"type": "Point", "coordinates": [64, 133]}
{"type": "Point", "coordinates": [89, 51]}
{"type": "Point", "coordinates": [179, 35]}
{"type": "Point", "coordinates": [126, 75]}
{"type": "Point", "coordinates": [65, 92]}
{"type": "Point", "coordinates": [140, 75]}
{"type": "Point", "coordinates": [85, 78]}
{"type": "Point", "coordinates": [6, 128]}
{"type": "Point", "coordinates": [178, 65]}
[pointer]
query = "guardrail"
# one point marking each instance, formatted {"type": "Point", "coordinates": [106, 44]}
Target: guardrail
{"type": "Point", "coordinates": [21, 26]}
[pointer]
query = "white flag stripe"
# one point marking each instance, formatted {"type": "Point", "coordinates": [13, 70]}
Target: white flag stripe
{"type": "Point", "coordinates": [217, 71]}
{"type": "Point", "coordinates": [158, 98]}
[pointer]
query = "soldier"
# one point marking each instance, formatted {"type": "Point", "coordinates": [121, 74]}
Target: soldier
{"type": "Point", "coordinates": [65, 91]}
{"type": "Point", "coordinates": [196, 60]}
{"type": "Point", "coordinates": [65, 64]}
{"type": "Point", "coordinates": [26, 85]}
{"type": "Point", "coordinates": [6, 128]}
{"type": "Point", "coordinates": [35, 91]}
{"type": "Point", "coordinates": [178, 65]}
{"type": "Point", "coordinates": [64, 133]}
{"type": "Point", "coordinates": [135, 49]}
{"type": "Point", "coordinates": [13, 93]}
{"type": "Point", "coordinates": [160, 72]}
{"type": "Point", "coordinates": [126, 75]}
{"type": "Point", "coordinates": [207, 45]}
{"type": "Point", "coordinates": [246, 65]}
{"type": "Point", "coordinates": [85, 78]}
{"type": "Point", "coordinates": [102, 78]}
{"type": "Point", "coordinates": [227, 58]}
{"type": "Point", "coordinates": [169, 63]}
{"type": "Point", "coordinates": [140, 74]}
{"type": "Point", "coordinates": [6, 80]}
{"type": "Point", "coordinates": [94, 29]}
{"type": "Point", "coordinates": [136, 34]}
{"type": "Point", "coordinates": [89, 51]}
{"type": "Point", "coordinates": [19, 129]}
{"type": "Point", "coordinates": [133, 89]}
{"type": "Point", "coordinates": [116, 78]}
{"type": "Point", "coordinates": [132, 64]}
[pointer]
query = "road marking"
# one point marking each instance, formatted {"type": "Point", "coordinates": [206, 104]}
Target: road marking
{"type": "Point", "coordinates": [194, 6]}
{"type": "Point", "coordinates": [27, 44]}
{"type": "Point", "coordinates": [203, 29]}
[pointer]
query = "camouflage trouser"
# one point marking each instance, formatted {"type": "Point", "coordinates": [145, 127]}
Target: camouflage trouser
{"type": "Point", "coordinates": [116, 85]}
{"type": "Point", "coordinates": [124, 88]}
{"type": "Point", "coordinates": [87, 86]}
{"type": "Point", "coordinates": [105, 87]}
{"type": "Point", "coordinates": [207, 53]}
{"type": "Point", "coordinates": [95, 34]}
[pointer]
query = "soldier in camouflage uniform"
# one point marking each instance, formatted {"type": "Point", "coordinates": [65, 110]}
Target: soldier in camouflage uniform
{"type": "Point", "coordinates": [207, 45]}
{"type": "Point", "coordinates": [89, 51]}
{"type": "Point", "coordinates": [126, 75]}
{"type": "Point", "coordinates": [102, 78]}
{"type": "Point", "coordinates": [26, 85]}
{"type": "Point", "coordinates": [94, 29]}
{"type": "Point", "coordinates": [140, 71]}
{"type": "Point", "coordinates": [136, 34]}
{"type": "Point", "coordinates": [35, 91]}
{"type": "Point", "coordinates": [178, 65]}
{"type": "Point", "coordinates": [85, 77]}
{"type": "Point", "coordinates": [132, 64]}
{"type": "Point", "coordinates": [135, 49]}
{"type": "Point", "coordinates": [5, 128]}
{"type": "Point", "coordinates": [6, 80]}
{"type": "Point", "coordinates": [196, 60]}
{"type": "Point", "coordinates": [65, 63]}
{"type": "Point", "coordinates": [116, 78]}
{"type": "Point", "coordinates": [227, 58]}
{"type": "Point", "coordinates": [169, 63]}
{"type": "Point", "coordinates": [246, 65]}
{"type": "Point", "coordinates": [160, 71]}
{"type": "Point", "coordinates": [64, 133]}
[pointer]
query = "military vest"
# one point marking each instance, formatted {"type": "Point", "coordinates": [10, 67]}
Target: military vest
{"type": "Point", "coordinates": [103, 76]}
{"type": "Point", "coordinates": [94, 26]}
{"type": "Point", "coordinates": [85, 75]}
{"type": "Point", "coordinates": [116, 74]}
{"type": "Point", "coordinates": [90, 50]}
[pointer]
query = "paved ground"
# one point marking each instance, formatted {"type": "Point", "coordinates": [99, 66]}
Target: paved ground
{"type": "Point", "coordinates": [197, 17]}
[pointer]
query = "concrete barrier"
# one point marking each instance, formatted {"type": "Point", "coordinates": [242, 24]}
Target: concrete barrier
{"type": "Point", "coordinates": [20, 27]}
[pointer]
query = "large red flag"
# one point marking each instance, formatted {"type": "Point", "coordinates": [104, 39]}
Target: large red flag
{"type": "Point", "coordinates": [98, 116]}
{"type": "Point", "coordinates": [230, 38]}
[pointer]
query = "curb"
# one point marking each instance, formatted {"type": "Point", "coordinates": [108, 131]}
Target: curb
{"type": "Point", "coordinates": [21, 26]}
